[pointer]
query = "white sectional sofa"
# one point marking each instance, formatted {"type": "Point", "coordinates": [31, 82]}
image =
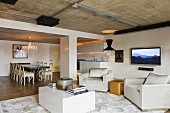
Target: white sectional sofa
{"type": "Point", "coordinates": [1, 108]}
{"type": "Point", "coordinates": [147, 96]}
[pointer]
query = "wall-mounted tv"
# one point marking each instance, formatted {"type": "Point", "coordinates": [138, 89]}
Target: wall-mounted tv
{"type": "Point", "coordinates": [146, 56]}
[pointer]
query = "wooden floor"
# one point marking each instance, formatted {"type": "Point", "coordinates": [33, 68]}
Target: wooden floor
{"type": "Point", "coordinates": [168, 111]}
{"type": "Point", "coordinates": [10, 89]}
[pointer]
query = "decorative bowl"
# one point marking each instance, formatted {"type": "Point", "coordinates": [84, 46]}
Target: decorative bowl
{"type": "Point", "coordinates": [63, 83]}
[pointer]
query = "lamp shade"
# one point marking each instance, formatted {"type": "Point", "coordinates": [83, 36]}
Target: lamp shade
{"type": "Point", "coordinates": [109, 45]}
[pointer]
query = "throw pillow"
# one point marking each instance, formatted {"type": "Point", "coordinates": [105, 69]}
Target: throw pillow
{"type": "Point", "coordinates": [150, 74]}
{"type": "Point", "coordinates": [97, 72]}
{"type": "Point", "coordinates": [156, 79]}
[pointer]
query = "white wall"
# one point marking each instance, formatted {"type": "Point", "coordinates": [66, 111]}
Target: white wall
{"type": "Point", "coordinates": [149, 38]}
{"type": "Point", "coordinates": [6, 56]}
{"type": "Point", "coordinates": [68, 57]}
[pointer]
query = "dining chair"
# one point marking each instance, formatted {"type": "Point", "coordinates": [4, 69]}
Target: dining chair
{"type": "Point", "coordinates": [46, 74]}
{"type": "Point", "coordinates": [41, 64]}
{"type": "Point", "coordinates": [45, 63]}
{"type": "Point", "coordinates": [11, 70]}
{"type": "Point", "coordinates": [37, 63]}
{"type": "Point", "coordinates": [16, 71]}
{"type": "Point", "coordinates": [25, 74]}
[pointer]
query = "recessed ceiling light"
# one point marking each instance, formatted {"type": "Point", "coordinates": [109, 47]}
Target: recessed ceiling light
{"type": "Point", "coordinates": [108, 31]}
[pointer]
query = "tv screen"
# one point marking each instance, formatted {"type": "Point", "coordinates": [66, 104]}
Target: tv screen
{"type": "Point", "coordinates": [146, 56]}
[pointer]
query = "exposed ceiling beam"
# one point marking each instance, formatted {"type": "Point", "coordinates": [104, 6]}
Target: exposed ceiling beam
{"type": "Point", "coordinates": [142, 28]}
{"type": "Point", "coordinates": [104, 14]}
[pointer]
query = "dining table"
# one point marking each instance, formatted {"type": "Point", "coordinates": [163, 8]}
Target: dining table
{"type": "Point", "coordinates": [35, 69]}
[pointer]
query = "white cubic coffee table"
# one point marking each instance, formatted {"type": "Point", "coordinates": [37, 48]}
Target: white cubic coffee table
{"type": "Point", "coordinates": [58, 101]}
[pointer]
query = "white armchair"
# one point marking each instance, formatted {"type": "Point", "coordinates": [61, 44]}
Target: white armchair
{"type": "Point", "coordinates": [100, 83]}
{"type": "Point", "coordinates": [150, 96]}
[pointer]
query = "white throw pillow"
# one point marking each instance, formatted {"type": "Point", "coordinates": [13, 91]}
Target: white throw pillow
{"type": "Point", "coordinates": [97, 72]}
{"type": "Point", "coordinates": [156, 79]}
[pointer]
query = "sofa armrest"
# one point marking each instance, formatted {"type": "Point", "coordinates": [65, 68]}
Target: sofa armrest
{"type": "Point", "coordinates": [133, 81]}
{"type": "Point", "coordinates": [157, 95]}
{"type": "Point", "coordinates": [1, 108]}
{"type": "Point", "coordinates": [108, 77]}
{"type": "Point", "coordinates": [83, 77]}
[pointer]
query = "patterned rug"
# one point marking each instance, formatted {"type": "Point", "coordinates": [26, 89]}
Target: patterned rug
{"type": "Point", "coordinates": [105, 103]}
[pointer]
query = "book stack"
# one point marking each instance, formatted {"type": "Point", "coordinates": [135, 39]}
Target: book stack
{"type": "Point", "coordinates": [78, 90]}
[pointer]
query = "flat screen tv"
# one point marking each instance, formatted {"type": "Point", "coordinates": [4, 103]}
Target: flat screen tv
{"type": "Point", "coordinates": [146, 56]}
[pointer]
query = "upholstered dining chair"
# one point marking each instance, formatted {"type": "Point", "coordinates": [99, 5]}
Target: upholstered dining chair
{"type": "Point", "coordinates": [25, 74]}
{"type": "Point", "coordinates": [16, 72]}
{"type": "Point", "coordinates": [12, 67]}
{"type": "Point", "coordinates": [45, 63]}
{"type": "Point", "coordinates": [37, 63]}
{"type": "Point", "coordinates": [41, 64]}
{"type": "Point", "coordinates": [46, 74]}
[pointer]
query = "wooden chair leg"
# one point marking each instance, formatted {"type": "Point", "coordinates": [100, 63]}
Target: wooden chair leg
{"type": "Point", "coordinates": [17, 78]}
{"type": "Point", "coordinates": [21, 80]}
{"type": "Point", "coordinates": [14, 77]}
{"type": "Point", "coordinates": [48, 77]}
{"type": "Point", "coordinates": [24, 81]}
{"type": "Point", "coordinates": [45, 77]}
{"type": "Point", "coordinates": [41, 77]}
{"type": "Point", "coordinates": [51, 77]}
{"type": "Point", "coordinates": [29, 79]}
{"type": "Point", "coordinates": [33, 80]}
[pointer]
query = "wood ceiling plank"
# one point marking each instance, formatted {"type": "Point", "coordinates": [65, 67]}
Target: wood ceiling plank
{"type": "Point", "coordinates": [21, 35]}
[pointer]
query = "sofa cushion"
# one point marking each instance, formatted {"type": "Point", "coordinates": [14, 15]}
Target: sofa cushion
{"type": "Point", "coordinates": [97, 72]}
{"type": "Point", "coordinates": [156, 79]}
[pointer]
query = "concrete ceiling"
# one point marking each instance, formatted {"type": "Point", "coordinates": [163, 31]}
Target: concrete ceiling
{"type": "Point", "coordinates": [140, 12]}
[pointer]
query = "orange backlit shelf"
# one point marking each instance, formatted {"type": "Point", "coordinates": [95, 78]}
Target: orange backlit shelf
{"type": "Point", "coordinates": [91, 53]}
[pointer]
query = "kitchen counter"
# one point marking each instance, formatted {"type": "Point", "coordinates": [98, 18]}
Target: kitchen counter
{"type": "Point", "coordinates": [86, 65]}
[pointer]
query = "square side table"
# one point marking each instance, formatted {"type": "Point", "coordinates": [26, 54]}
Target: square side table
{"type": "Point", "coordinates": [116, 87]}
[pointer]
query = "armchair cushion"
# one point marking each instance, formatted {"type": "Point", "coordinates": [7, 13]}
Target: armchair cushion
{"type": "Point", "coordinates": [96, 83]}
{"type": "Point", "coordinates": [97, 72]}
{"type": "Point", "coordinates": [156, 79]}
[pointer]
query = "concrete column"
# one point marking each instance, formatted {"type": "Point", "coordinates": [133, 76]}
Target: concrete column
{"type": "Point", "coordinates": [68, 57]}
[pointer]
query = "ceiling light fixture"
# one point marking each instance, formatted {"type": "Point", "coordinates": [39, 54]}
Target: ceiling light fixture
{"type": "Point", "coordinates": [108, 31]}
{"type": "Point", "coordinates": [30, 48]}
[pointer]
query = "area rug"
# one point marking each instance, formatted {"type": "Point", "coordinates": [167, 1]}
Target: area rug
{"type": "Point", "coordinates": [105, 103]}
